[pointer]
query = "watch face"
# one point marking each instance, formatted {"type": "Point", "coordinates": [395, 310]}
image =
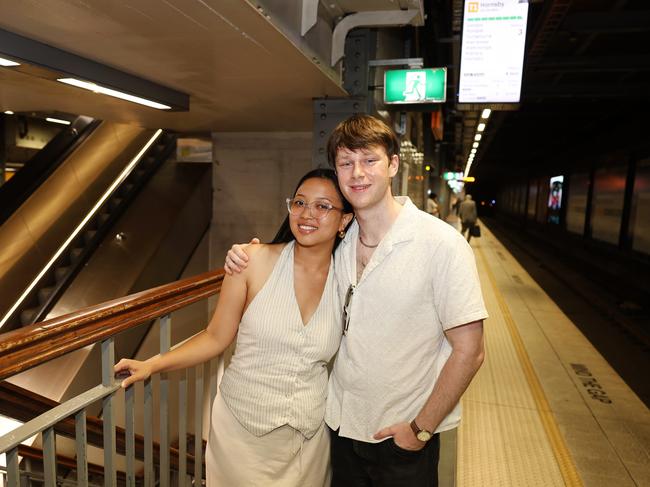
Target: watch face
{"type": "Point", "coordinates": [423, 435]}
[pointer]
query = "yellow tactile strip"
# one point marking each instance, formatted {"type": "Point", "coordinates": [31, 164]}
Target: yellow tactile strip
{"type": "Point", "coordinates": [508, 436]}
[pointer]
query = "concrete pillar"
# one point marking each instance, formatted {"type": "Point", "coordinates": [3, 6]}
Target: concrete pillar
{"type": "Point", "coordinates": [253, 175]}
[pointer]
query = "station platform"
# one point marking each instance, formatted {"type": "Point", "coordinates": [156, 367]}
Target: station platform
{"type": "Point", "coordinates": [545, 409]}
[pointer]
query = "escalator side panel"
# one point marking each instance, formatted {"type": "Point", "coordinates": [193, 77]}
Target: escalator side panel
{"type": "Point", "coordinates": [162, 227]}
{"type": "Point", "coordinates": [31, 236]}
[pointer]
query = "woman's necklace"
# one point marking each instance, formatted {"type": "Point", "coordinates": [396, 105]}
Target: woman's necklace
{"type": "Point", "coordinates": [365, 244]}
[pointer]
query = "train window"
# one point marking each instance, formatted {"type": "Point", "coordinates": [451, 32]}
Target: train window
{"type": "Point", "coordinates": [640, 214]}
{"type": "Point", "coordinates": [607, 203]}
{"type": "Point", "coordinates": [577, 203]}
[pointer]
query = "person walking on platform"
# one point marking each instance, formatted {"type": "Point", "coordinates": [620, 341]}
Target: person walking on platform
{"type": "Point", "coordinates": [412, 321]}
{"type": "Point", "coordinates": [468, 216]}
{"type": "Point", "coordinates": [432, 205]}
{"type": "Point", "coordinates": [267, 423]}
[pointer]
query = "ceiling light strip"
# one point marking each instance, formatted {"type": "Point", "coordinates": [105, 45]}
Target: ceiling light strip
{"type": "Point", "coordinates": [58, 120]}
{"type": "Point", "coordinates": [95, 88]}
{"type": "Point", "coordinates": [123, 175]}
{"type": "Point", "coordinates": [8, 62]}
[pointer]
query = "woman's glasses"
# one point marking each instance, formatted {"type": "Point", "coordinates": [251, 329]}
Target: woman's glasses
{"type": "Point", "coordinates": [317, 209]}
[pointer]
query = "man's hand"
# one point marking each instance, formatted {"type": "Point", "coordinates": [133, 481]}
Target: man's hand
{"type": "Point", "coordinates": [236, 258]}
{"type": "Point", "coordinates": [403, 436]}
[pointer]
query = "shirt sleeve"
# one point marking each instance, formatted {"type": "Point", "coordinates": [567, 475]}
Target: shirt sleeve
{"type": "Point", "coordinates": [457, 289]}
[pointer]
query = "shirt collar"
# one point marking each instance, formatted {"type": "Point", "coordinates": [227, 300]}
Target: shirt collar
{"type": "Point", "coordinates": [402, 229]}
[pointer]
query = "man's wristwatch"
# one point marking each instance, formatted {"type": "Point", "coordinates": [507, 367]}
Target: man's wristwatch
{"type": "Point", "coordinates": [420, 434]}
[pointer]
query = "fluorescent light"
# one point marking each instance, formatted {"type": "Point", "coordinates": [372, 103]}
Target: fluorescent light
{"type": "Point", "coordinates": [486, 113]}
{"type": "Point", "coordinates": [57, 120]}
{"type": "Point", "coordinates": [477, 137]}
{"type": "Point", "coordinates": [123, 175]}
{"type": "Point", "coordinates": [8, 112]}
{"type": "Point", "coordinates": [6, 62]}
{"type": "Point", "coordinates": [475, 145]}
{"type": "Point", "coordinates": [110, 92]}
{"type": "Point", "coordinates": [481, 127]}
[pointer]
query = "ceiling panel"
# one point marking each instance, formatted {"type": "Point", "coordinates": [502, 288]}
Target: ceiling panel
{"type": "Point", "coordinates": [241, 73]}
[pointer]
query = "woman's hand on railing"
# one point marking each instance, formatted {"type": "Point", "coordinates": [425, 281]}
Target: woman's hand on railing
{"type": "Point", "coordinates": [236, 258]}
{"type": "Point", "coordinates": [133, 370]}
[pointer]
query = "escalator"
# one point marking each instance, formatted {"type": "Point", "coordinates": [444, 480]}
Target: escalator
{"type": "Point", "coordinates": [117, 215]}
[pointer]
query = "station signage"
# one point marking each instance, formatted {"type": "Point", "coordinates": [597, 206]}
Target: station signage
{"type": "Point", "coordinates": [427, 85]}
{"type": "Point", "coordinates": [492, 51]}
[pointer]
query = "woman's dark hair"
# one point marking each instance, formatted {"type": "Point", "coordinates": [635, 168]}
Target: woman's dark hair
{"type": "Point", "coordinates": [284, 233]}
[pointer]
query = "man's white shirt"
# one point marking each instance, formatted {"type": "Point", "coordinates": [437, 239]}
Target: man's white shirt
{"type": "Point", "coordinates": [420, 281]}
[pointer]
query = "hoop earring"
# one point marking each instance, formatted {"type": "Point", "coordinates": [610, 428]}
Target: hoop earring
{"type": "Point", "coordinates": [342, 234]}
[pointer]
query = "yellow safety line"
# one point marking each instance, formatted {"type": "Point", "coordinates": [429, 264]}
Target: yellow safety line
{"type": "Point", "coordinates": [560, 450]}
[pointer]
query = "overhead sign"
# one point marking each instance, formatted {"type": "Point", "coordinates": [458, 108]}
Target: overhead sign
{"type": "Point", "coordinates": [427, 85]}
{"type": "Point", "coordinates": [492, 51]}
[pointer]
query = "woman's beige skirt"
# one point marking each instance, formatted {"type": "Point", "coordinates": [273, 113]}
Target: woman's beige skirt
{"type": "Point", "coordinates": [282, 458]}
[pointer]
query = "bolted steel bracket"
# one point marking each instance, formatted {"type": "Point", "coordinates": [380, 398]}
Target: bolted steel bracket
{"type": "Point", "coordinates": [328, 112]}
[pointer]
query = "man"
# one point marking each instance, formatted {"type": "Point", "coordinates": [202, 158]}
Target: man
{"type": "Point", "coordinates": [412, 321]}
{"type": "Point", "coordinates": [467, 214]}
{"type": "Point", "coordinates": [432, 205]}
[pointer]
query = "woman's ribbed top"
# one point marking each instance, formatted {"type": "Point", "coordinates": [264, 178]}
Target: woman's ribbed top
{"type": "Point", "coordinates": [278, 373]}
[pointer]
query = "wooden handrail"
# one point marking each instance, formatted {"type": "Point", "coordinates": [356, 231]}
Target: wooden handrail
{"type": "Point", "coordinates": [33, 345]}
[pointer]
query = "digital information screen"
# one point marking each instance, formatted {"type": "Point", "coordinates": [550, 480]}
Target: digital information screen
{"type": "Point", "coordinates": [555, 198]}
{"type": "Point", "coordinates": [492, 51]}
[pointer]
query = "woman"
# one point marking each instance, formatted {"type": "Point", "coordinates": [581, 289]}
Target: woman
{"type": "Point", "coordinates": [267, 422]}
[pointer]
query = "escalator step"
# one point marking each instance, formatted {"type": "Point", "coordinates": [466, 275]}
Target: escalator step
{"type": "Point", "coordinates": [114, 202]}
{"type": "Point", "coordinates": [60, 272]}
{"type": "Point", "coordinates": [103, 217]}
{"type": "Point", "coordinates": [75, 253]}
{"type": "Point", "coordinates": [27, 316]}
{"type": "Point", "coordinates": [89, 235]}
{"type": "Point", "coordinates": [44, 294]}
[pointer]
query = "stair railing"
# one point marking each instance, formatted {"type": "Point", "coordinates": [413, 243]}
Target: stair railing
{"type": "Point", "coordinates": [36, 344]}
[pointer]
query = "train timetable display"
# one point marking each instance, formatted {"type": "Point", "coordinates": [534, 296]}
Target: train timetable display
{"type": "Point", "coordinates": [492, 51]}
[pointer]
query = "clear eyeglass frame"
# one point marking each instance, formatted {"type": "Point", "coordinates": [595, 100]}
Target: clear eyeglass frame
{"type": "Point", "coordinates": [318, 212]}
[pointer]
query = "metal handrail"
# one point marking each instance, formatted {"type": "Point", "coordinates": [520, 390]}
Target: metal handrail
{"type": "Point", "coordinates": [39, 343]}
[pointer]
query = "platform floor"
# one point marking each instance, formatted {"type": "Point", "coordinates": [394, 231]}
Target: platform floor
{"type": "Point", "coordinates": [545, 409]}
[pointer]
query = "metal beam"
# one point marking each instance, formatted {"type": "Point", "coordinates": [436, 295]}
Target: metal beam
{"type": "Point", "coordinates": [309, 15]}
{"type": "Point", "coordinates": [608, 22]}
{"type": "Point", "coordinates": [625, 62]}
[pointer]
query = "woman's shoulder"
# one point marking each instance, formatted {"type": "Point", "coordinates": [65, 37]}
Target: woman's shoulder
{"type": "Point", "coordinates": [264, 251]}
{"type": "Point", "coordinates": [263, 256]}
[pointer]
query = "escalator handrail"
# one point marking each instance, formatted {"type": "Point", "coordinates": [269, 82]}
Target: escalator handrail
{"type": "Point", "coordinates": [33, 345]}
{"type": "Point", "coordinates": [16, 191]}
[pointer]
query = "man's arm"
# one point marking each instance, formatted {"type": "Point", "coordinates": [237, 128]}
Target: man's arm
{"type": "Point", "coordinates": [463, 363]}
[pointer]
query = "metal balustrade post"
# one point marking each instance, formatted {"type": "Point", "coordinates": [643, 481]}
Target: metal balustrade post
{"type": "Point", "coordinates": [49, 456]}
{"type": "Point", "coordinates": [198, 424]}
{"type": "Point", "coordinates": [108, 412]}
{"type": "Point", "coordinates": [182, 428]}
{"type": "Point", "coordinates": [13, 473]}
{"type": "Point", "coordinates": [148, 434]}
{"type": "Point", "coordinates": [129, 432]}
{"type": "Point", "coordinates": [81, 448]}
{"type": "Point", "coordinates": [165, 339]}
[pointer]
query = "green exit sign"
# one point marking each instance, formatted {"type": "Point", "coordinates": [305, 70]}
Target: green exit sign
{"type": "Point", "coordinates": [415, 85]}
